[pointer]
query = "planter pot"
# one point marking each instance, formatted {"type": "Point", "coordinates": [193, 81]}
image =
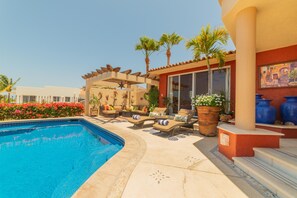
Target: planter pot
{"type": "Point", "coordinates": [289, 109]}
{"type": "Point", "coordinates": [265, 113]}
{"type": "Point", "coordinates": [208, 120]}
{"type": "Point", "coordinates": [94, 112]}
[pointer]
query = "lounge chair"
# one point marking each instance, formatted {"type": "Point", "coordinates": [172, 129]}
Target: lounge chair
{"type": "Point", "coordinates": [140, 122]}
{"type": "Point", "coordinates": [115, 112]}
{"type": "Point", "coordinates": [174, 125]}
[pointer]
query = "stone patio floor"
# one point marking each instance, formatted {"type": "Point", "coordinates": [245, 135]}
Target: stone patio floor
{"type": "Point", "coordinates": [182, 166]}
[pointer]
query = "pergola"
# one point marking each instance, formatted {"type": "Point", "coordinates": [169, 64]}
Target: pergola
{"type": "Point", "coordinates": [114, 75]}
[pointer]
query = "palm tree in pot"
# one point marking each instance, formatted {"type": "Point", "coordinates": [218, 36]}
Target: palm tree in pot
{"type": "Point", "coordinates": [208, 44]}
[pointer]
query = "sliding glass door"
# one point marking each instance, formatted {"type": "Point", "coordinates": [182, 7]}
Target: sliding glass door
{"type": "Point", "coordinates": [186, 87]}
{"type": "Point", "coordinates": [181, 88]}
{"type": "Point", "coordinates": [201, 83]}
{"type": "Point", "coordinates": [173, 93]}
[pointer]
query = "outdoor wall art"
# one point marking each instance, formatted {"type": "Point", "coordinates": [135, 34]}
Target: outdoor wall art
{"type": "Point", "coordinates": [278, 75]}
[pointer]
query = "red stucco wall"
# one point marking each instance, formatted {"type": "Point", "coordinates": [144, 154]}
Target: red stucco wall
{"type": "Point", "coordinates": [273, 57]}
{"type": "Point", "coordinates": [263, 58]}
{"type": "Point", "coordinates": [163, 81]}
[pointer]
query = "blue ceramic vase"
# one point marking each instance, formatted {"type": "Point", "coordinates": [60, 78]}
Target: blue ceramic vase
{"type": "Point", "coordinates": [258, 97]}
{"type": "Point", "coordinates": [289, 109]}
{"type": "Point", "coordinates": [265, 113]}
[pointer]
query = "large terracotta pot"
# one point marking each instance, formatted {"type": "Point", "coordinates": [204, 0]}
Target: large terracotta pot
{"type": "Point", "coordinates": [208, 120]}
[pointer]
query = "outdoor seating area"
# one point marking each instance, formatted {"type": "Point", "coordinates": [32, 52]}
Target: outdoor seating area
{"type": "Point", "coordinates": [155, 115]}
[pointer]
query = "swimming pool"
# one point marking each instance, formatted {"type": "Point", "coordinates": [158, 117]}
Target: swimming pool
{"type": "Point", "coordinates": [52, 158]}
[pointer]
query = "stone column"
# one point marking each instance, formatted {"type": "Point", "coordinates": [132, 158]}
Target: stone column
{"type": "Point", "coordinates": [87, 108]}
{"type": "Point", "coordinates": [245, 68]}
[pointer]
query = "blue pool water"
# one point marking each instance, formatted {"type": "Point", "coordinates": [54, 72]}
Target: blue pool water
{"type": "Point", "coordinates": [53, 158]}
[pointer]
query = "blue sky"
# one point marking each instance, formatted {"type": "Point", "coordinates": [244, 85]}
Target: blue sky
{"type": "Point", "coordinates": [54, 42]}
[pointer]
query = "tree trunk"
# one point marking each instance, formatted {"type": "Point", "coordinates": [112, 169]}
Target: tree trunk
{"type": "Point", "coordinates": [8, 97]}
{"type": "Point", "coordinates": [209, 76]}
{"type": "Point", "coordinates": [168, 53]}
{"type": "Point", "coordinates": [147, 62]}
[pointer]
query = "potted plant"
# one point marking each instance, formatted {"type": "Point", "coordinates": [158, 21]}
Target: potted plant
{"type": "Point", "coordinates": [152, 97]}
{"type": "Point", "coordinates": [94, 101]}
{"type": "Point", "coordinates": [208, 107]}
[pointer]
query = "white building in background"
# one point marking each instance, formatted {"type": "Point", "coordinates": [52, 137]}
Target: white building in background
{"type": "Point", "coordinates": [47, 94]}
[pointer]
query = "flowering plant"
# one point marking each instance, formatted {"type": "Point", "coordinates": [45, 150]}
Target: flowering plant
{"type": "Point", "coordinates": [35, 110]}
{"type": "Point", "coordinates": [213, 100]}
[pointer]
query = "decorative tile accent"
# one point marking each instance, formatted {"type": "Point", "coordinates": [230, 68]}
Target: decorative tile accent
{"type": "Point", "coordinates": [158, 176]}
{"type": "Point", "coordinates": [192, 160]}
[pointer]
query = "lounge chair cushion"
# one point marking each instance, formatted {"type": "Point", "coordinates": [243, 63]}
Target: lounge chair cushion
{"type": "Point", "coordinates": [154, 114]}
{"type": "Point", "coordinates": [171, 125]}
{"type": "Point", "coordinates": [163, 122]}
{"type": "Point", "coordinates": [110, 112]}
{"type": "Point", "coordinates": [187, 112]}
{"type": "Point", "coordinates": [106, 107]}
{"type": "Point", "coordinates": [136, 117]}
{"type": "Point", "coordinates": [144, 109]}
{"type": "Point", "coordinates": [141, 119]}
{"type": "Point", "coordinates": [181, 118]}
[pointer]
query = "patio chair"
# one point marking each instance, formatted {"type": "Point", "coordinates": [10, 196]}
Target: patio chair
{"type": "Point", "coordinates": [140, 122]}
{"type": "Point", "coordinates": [114, 112]}
{"type": "Point", "coordinates": [175, 125]}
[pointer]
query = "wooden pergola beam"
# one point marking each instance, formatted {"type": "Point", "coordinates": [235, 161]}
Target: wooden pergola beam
{"type": "Point", "coordinates": [104, 69]}
{"type": "Point", "coordinates": [99, 71]}
{"type": "Point", "coordinates": [117, 69]}
{"type": "Point", "coordinates": [109, 67]}
{"type": "Point", "coordinates": [136, 74]}
{"type": "Point", "coordinates": [127, 71]}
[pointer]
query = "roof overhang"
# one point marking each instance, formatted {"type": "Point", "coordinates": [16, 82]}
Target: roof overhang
{"type": "Point", "coordinates": [276, 21]}
{"type": "Point", "coordinates": [180, 67]}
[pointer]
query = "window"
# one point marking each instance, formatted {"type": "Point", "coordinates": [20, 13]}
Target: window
{"type": "Point", "coordinates": [180, 87]}
{"type": "Point", "coordinates": [67, 99]}
{"type": "Point", "coordinates": [173, 93]}
{"type": "Point", "coordinates": [56, 99]}
{"type": "Point", "coordinates": [27, 99]}
{"type": "Point", "coordinates": [186, 87]}
{"type": "Point", "coordinates": [219, 81]}
{"type": "Point", "coordinates": [201, 84]}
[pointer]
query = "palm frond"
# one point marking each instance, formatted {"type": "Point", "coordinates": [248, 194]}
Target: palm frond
{"type": "Point", "coordinates": [6, 84]}
{"type": "Point", "coordinates": [169, 40]}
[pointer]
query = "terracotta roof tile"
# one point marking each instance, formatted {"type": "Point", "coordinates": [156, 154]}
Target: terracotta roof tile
{"type": "Point", "coordinates": [186, 62]}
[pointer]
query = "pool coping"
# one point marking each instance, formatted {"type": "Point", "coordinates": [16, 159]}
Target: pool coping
{"type": "Point", "coordinates": [110, 179]}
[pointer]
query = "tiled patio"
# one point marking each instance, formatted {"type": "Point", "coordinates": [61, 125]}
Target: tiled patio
{"type": "Point", "coordinates": [187, 165]}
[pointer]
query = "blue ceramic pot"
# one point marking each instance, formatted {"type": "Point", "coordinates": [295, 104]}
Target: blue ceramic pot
{"type": "Point", "coordinates": [258, 97]}
{"type": "Point", "coordinates": [265, 113]}
{"type": "Point", "coordinates": [289, 109]}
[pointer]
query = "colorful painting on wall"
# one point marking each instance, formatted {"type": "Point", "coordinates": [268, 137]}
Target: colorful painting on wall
{"type": "Point", "coordinates": [278, 75]}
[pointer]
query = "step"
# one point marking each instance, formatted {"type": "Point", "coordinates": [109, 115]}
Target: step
{"type": "Point", "coordinates": [278, 182]}
{"type": "Point", "coordinates": [278, 159]}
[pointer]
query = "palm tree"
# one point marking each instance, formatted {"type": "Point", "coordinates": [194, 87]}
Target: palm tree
{"type": "Point", "coordinates": [168, 41]}
{"type": "Point", "coordinates": [147, 46]}
{"type": "Point", "coordinates": [209, 44]}
{"type": "Point", "coordinates": [6, 85]}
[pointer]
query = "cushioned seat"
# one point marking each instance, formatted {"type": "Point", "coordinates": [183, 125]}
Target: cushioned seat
{"type": "Point", "coordinates": [140, 122]}
{"type": "Point", "coordinates": [174, 125]}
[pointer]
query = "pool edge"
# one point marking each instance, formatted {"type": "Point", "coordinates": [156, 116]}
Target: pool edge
{"type": "Point", "coordinates": [110, 179]}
